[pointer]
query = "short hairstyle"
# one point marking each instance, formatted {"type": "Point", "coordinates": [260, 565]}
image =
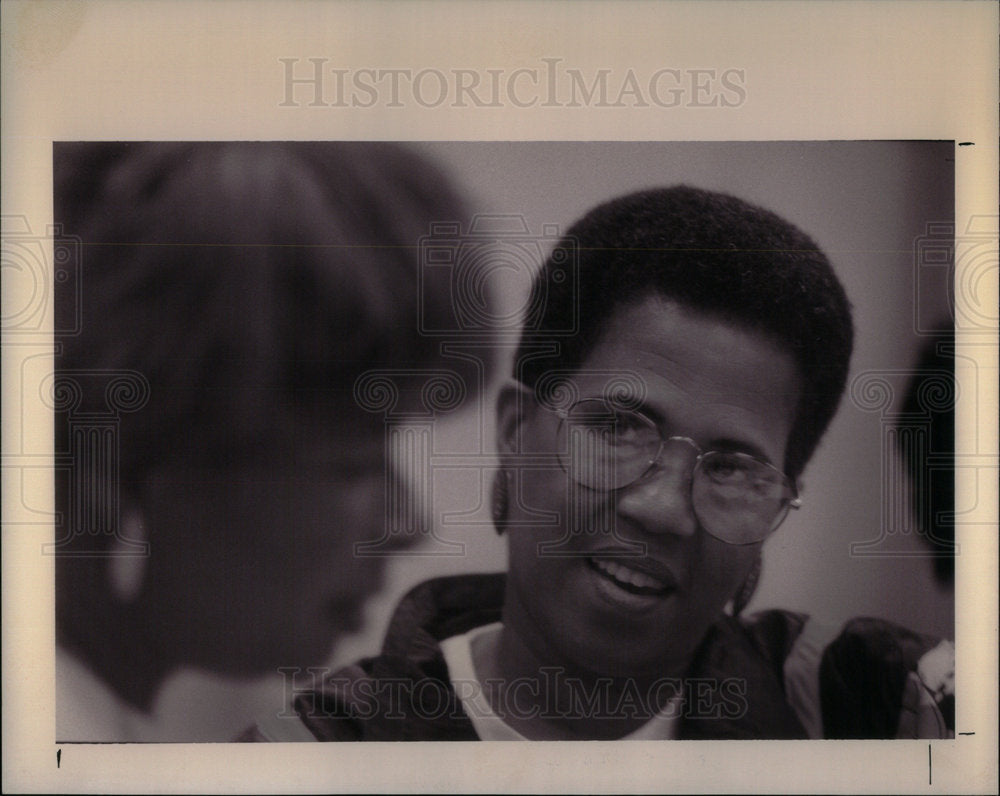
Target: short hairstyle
{"type": "Point", "coordinates": [248, 279]}
{"type": "Point", "coordinates": [712, 253]}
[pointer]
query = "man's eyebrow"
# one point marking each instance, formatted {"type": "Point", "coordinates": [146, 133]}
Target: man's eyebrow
{"type": "Point", "coordinates": [722, 444]}
{"type": "Point", "coordinates": [730, 445]}
{"type": "Point", "coordinates": [625, 398]}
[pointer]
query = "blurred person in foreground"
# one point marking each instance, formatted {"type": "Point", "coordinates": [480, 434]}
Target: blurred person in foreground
{"type": "Point", "coordinates": [642, 467]}
{"type": "Point", "coordinates": [243, 287]}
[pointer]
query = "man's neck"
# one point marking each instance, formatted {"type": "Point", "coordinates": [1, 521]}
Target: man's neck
{"type": "Point", "coordinates": [545, 701]}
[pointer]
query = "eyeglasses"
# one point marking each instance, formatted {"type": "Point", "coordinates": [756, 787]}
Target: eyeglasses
{"type": "Point", "coordinates": [738, 498]}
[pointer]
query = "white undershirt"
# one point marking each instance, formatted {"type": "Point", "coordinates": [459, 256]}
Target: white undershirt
{"type": "Point", "coordinates": [87, 710]}
{"type": "Point", "coordinates": [489, 726]}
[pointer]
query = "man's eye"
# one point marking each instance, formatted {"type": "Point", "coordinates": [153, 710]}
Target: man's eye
{"type": "Point", "coordinates": [631, 430]}
{"type": "Point", "coordinates": [628, 423]}
{"type": "Point", "coordinates": [727, 469]}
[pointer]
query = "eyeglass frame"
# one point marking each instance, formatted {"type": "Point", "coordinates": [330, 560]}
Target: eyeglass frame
{"type": "Point", "coordinates": [795, 502]}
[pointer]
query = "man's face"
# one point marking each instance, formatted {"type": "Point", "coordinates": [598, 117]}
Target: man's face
{"type": "Point", "coordinates": [721, 386]}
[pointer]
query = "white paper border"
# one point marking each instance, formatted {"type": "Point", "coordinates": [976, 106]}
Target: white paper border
{"type": "Point", "coordinates": [201, 70]}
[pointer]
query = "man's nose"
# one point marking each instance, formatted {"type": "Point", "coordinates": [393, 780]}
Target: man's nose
{"type": "Point", "coordinates": [660, 501]}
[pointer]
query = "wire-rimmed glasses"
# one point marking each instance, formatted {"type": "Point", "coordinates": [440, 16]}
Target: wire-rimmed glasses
{"type": "Point", "coordinates": [737, 497]}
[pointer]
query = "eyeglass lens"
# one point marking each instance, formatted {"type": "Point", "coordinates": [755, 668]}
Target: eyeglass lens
{"type": "Point", "coordinates": [736, 497]}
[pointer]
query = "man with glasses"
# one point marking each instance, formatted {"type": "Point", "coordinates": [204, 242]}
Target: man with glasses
{"type": "Point", "coordinates": [605, 445]}
{"type": "Point", "coordinates": [661, 413]}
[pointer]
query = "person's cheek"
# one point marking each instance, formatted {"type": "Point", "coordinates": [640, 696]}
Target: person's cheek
{"type": "Point", "coordinates": [722, 572]}
{"type": "Point", "coordinates": [357, 539]}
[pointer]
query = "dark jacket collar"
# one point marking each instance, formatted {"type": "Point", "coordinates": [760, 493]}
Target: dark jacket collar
{"type": "Point", "coordinates": [734, 688]}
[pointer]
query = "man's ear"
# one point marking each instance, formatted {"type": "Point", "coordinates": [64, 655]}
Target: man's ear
{"type": "Point", "coordinates": [515, 403]}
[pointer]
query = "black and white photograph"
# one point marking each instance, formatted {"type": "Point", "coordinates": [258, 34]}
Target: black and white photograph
{"type": "Point", "coordinates": [587, 437]}
{"type": "Point", "coordinates": [581, 427]}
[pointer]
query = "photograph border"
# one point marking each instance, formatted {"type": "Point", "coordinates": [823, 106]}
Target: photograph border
{"type": "Point", "coordinates": [110, 70]}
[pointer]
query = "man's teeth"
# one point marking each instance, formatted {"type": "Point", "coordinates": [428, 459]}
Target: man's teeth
{"type": "Point", "coordinates": [625, 575]}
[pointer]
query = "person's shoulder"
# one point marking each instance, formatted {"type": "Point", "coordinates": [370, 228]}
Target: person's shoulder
{"type": "Point", "coordinates": [774, 632]}
{"type": "Point", "coordinates": [879, 679]}
{"type": "Point", "coordinates": [404, 692]}
{"type": "Point", "coordinates": [443, 607]}
{"type": "Point", "coordinates": [385, 698]}
{"type": "Point", "coordinates": [866, 677]}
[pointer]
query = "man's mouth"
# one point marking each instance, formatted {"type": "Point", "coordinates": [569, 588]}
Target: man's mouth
{"type": "Point", "coordinates": [629, 579]}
